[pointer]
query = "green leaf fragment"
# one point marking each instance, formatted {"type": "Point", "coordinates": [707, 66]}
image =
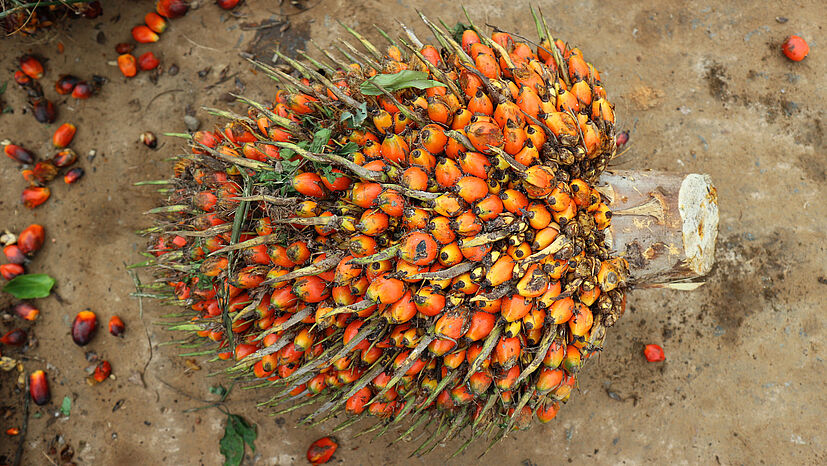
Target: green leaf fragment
{"type": "Point", "coordinates": [28, 286]}
{"type": "Point", "coordinates": [66, 406]}
{"type": "Point", "coordinates": [402, 80]}
{"type": "Point", "coordinates": [237, 433]}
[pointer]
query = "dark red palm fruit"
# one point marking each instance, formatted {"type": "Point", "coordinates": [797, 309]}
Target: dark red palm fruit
{"type": "Point", "coordinates": [66, 84]}
{"type": "Point", "coordinates": [39, 388]}
{"type": "Point", "coordinates": [124, 47]}
{"type": "Point", "coordinates": [64, 158]}
{"type": "Point", "coordinates": [9, 271]}
{"type": "Point", "coordinates": [43, 172]}
{"type": "Point", "coordinates": [18, 154]}
{"type": "Point", "coordinates": [31, 239]}
{"type": "Point", "coordinates": [14, 255]}
{"type": "Point", "coordinates": [73, 175]}
{"type": "Point", "coordinates": [33, 196]}
{"type": "Point", "coordinates": [91, 10]}
{"type": "Point", "coordinates": [84, 327]}
{"type": "Point", "coordinates": [321, 450]}
{"type": "Point", "coordinates": [31, 66]}
{"type": "Point", "coordinates": [654, 353]}
{"type": "Point", "coordinates": [44, 110]}
{"type": "Point", "coordinates": [83, 90]}
{"type": "Point", "coordinates": [26, 311]}
{"type": "Point", "coordinates": [22, 78]}
{"type": "Point", "coordinates": [116, 326]}
{"type": "Point", "coordinates": [102, 371]}
{"type": "Point", "coordinates": [172, 8]}
{"type": "Point", "coordinates": [148, 61]}
{"type": "Point", "coordinates": [622, 138]}
{"type": "Point", "coordinates": [14, 337]}
{"type": "Point", "coordinates": [227, 4]}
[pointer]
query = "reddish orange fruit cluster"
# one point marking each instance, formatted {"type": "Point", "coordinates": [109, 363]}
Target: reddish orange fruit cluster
{"type": "Point", "coordinates": [18, 251]}
{"type": "Point", "coordinates": [415, 234]}
{"type": "Point", "coordinates": [39, 173]}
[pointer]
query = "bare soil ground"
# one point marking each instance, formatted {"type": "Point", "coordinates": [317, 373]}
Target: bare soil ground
{"type": "Point", "coordinates": [703, 88]}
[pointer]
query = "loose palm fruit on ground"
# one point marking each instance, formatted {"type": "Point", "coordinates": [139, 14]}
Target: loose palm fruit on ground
{"type": "Point", "coordinates": [33, 196]}
{"type": "Point", "coordinates": [84, 327]}
{"type": "Point", "coordinates": [127, 65]}
{"type": "Point", "coordinates": [63, 135]}
{"type": "Point", "coordinates": [14, 337]}
{"type": "Point", "coordinates": [9, 271]}
{"type": "Point", "coordinates": [73, 176]}
{"type": "Point", "coordinates": [39, 388]}
{"type": "Point", "coordinates": [102, 371]}
{"type": "Point", "coordinates": [26, 311]}
{"type": "Point", "coordinates": [31, 239]}
{"type": "Point", "coordinates": [412, 234]}
{"type": "Point", "coordinates": [654, 353]}
{"type": "Point", "coordinates": [794, 47]}
{"type": "Point", "coordinates": [148, 61]}
{"type": "Point", "coordinates": [116, 326]}
{"type": "Point", "coordinates": [321, 450]}
{"type": "Point", "coordinates": [18, 154]}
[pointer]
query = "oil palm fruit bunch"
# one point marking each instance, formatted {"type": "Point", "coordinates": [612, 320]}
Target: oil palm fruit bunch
{"type": "Point", "coordinates": [28, 18]}
{"type": "Point", "coordinates": [414, 234]}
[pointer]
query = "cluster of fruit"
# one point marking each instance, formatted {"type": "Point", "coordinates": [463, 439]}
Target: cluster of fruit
{"type": "Point", "coordinates": [414, 234]}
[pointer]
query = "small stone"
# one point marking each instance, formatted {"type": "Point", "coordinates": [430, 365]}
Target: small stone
{"type": "Point", "coordinates": [173, 70]}
{"type": "Point", "coordinates": [192, 123]}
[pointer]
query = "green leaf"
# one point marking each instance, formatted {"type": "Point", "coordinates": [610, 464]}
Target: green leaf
{"type": "Point", "coordinates": [320, 140]}
{"type": "Point", "coordinates": [66, 406]}
{"type": "Point", "coordinates": [349, 148]}
{"type": "Point", "coordinates": [219, 390]}
{"type": "Point", "coordinates": [32, 285]}
{"type": "Point", "coordinates": [394, 82]}
{"type": "Point", "coordinates": [231, 446]}
{"type": "Point", "coordinates": [3, 87]}
{"type": "Point", "coordinates": [355, 120]}
{"type": "Point", "coordinates": [237, 433]}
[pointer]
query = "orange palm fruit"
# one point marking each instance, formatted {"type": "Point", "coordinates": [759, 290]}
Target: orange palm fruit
{"type": "Point", "coordinates": [447, 173]}
{"type": "Point", "coordinates": [63, 135]}
{"type": "Point", "coordinates": [484, 134]}
{"type": "Point", "coordinates": [500, 272]}
{"type": "Point", "coordinates": [128, 65]}
{"type": "Point", "coordinates": [31, 239]}
{"type": "Point", "coordinates": [507, 352]}
{"type": "Point", "coordinates": [515, 308]}
{"type": "Point", "coordinates": [429, 302]}
{"type": "Point", "coordinates": [385, 290]}
{"type": "Point", "coordinates": [394, 148]}
{"type": "Point", "coordinates": [18, 154]}
{"type": "Point", "coordinates": [572, 360]}
{"type": "Point", "coordinates": [534, 283]}
{"type": "Point", "coordinates": [155, 22]}
{"type": "Point", "coordinates": [561, 311]}
{"type": "Point", "coordinates": [144, 35]}
{"type": "Point", "coordinates": [481, 325]}
{"type": "Point", "coordinates": [33, 196]}
{"type": "Point", "coordinates": [418, 248]}
{"type": "Point", "coordinates": [433, 138]}
{"type": "Point", "coordinates": [309, 184]}
{"type": "Point", "coordinates": [31, 67]}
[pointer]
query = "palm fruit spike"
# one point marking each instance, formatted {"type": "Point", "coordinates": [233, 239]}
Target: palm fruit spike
{"type": "Point", "coordinates": [417, 233]}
